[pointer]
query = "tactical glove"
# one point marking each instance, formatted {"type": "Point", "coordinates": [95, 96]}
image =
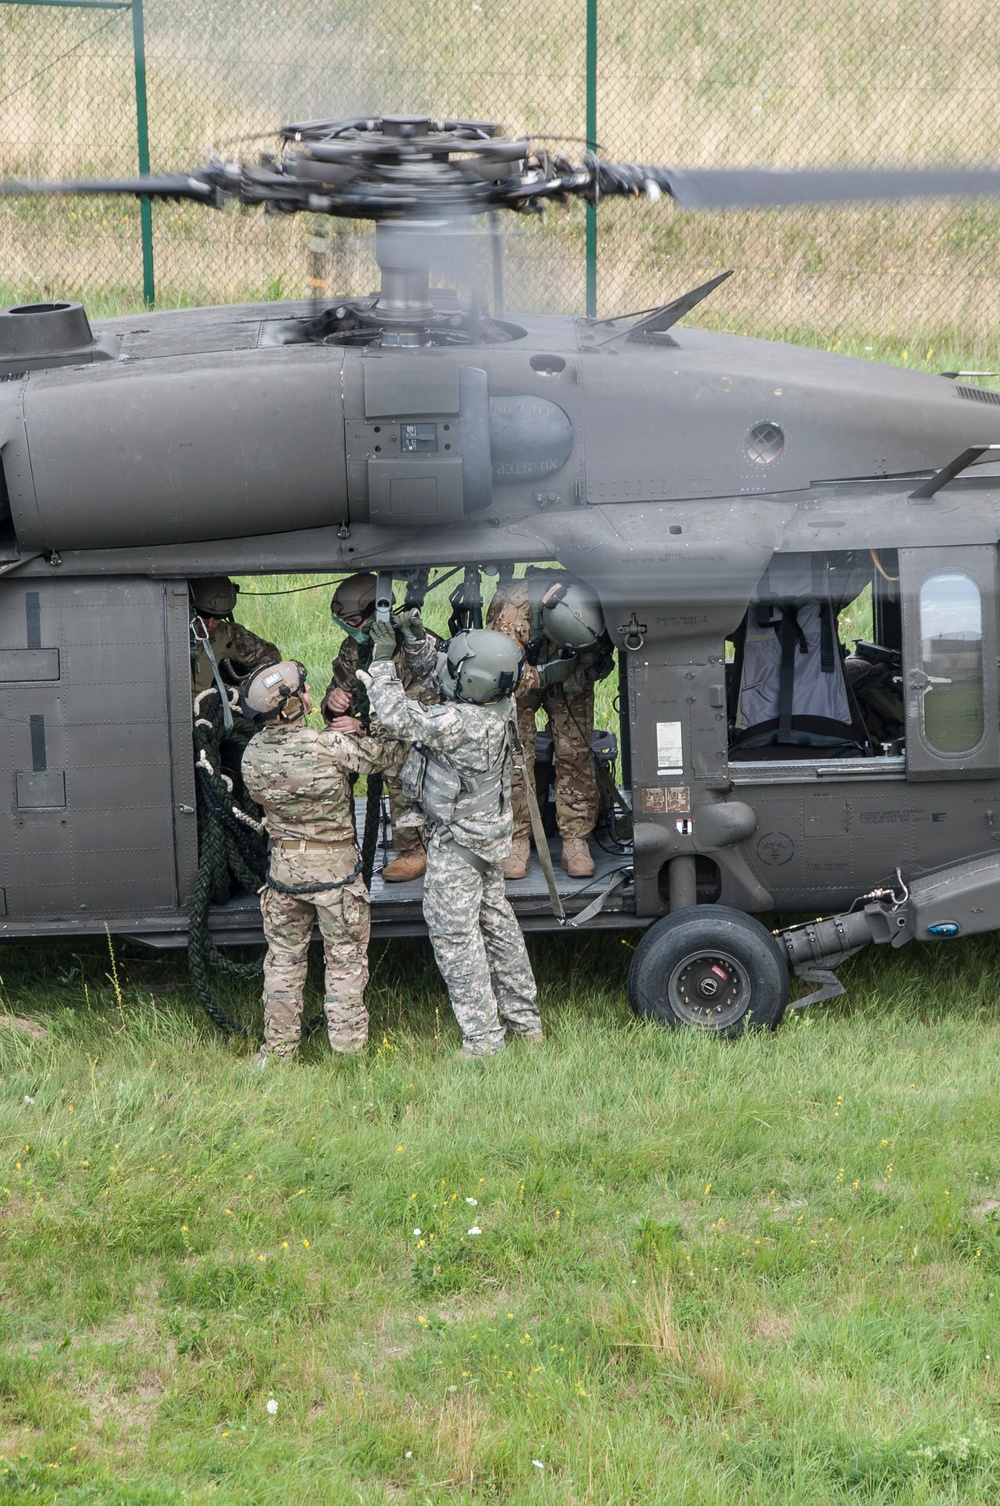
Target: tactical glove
{"type": "Point", "coordinates": [555, 671]}
{"type": "Point", "coordinates": [411, 625]}
{"type": "Point", "coordinates": [383, 637]}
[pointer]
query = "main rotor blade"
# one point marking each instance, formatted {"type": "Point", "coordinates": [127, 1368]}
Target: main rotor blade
{"type": "Point", "coordinates": [771, 187]}
{"type": "Point", "coordinates": [166, 186]}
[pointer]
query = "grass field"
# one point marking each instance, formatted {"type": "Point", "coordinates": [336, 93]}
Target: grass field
{"type": "Point", "coordinates": [627, 1267]}
{"type": "Point", "coordinates": [650, 1267]}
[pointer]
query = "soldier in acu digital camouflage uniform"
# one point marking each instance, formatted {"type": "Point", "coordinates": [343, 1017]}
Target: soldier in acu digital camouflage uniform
{"type": "Point", "coordinates": [302, 779]}
{"type": "Point", "coordinates": [222, 651]}
{"type": "Point", "coordinates": [459, 777]}
{"type": "Point", "coordinates": [558, 622]}
{"type": "Point", "coordinates": [353, 609]}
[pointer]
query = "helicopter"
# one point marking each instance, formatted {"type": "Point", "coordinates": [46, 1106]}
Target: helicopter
{"type": "Point", "coordinates": [727, 498]}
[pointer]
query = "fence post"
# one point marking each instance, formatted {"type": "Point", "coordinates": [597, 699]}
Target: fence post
{"type": "Point", "coordinates": [591, 147]}
{"type": "Point", "coordinates": [142, 134]}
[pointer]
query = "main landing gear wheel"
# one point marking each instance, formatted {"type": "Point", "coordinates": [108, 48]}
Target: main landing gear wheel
{"type": "Point", "coordinates": [710, 968]}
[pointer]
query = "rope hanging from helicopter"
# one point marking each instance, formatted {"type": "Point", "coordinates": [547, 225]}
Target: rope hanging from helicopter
{"type": "Point", "coordinates": [231, 847]}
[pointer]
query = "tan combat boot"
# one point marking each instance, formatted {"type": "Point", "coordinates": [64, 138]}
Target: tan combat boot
{"type": "Point", "coordinates": [409, 865]}
{"type": "Point", "coordinates": [576, 859]}
{"type": "Point", "coordinates": [517, 865]}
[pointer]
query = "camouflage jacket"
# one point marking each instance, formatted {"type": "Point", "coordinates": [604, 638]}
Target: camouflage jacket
{"type": "Point", "coordinates": [237, 651]}
{"type": "Point", "coordinates": [473, 740]}
{"type": "Point", "coordinates": [510, 613]}
{"type": "Point", "coordinates": [413, 665]}
{"type": "Point", "coordinates": [302, 778]}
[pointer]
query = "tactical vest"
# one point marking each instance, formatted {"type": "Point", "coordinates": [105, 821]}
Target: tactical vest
{"type": "Point", "coordinates": [430, 781]}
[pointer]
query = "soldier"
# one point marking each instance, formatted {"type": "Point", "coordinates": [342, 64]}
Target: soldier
{"type": "Point", "coordinates": [459, 776]}
{"type": "Point", "coordinates": [302, 779]}
{"type": "Point", "coordinates": [222, 651]}
{"type": "Point", "coordinates": [558, 622]}
{"type": "Point", "coordinates": [353, 609]}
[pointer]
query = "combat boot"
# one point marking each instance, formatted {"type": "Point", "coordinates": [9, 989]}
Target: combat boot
{"type": "Point", "coordinates": [267, 1056]}
{"type": "Point", "coordinates": [408, 865]}
{"type": "Point", "coordinates": [576, 859]}
{"type": "Point", "coordinates": [517, 865]}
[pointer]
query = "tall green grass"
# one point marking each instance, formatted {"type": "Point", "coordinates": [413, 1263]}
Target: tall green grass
{"type": "Point", "coordinates": [715, 1272]}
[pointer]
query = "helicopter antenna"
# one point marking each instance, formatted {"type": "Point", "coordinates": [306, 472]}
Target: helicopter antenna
{"type": "Point", "coordinates": [659, 320]}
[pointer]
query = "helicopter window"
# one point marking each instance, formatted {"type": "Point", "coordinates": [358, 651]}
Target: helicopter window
{"type": "Point", "coordinates": [419, 439]}
{"type": "Point", "coordinates": [951, 653]}
{"type": "Point", "coordinates": [788, 694]}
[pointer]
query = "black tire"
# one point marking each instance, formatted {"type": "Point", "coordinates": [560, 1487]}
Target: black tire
{"type": "Point", "coordinates": [708, 967]}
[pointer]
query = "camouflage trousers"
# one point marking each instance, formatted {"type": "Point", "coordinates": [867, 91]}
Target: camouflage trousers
{"type": "Point", "coordinates": [480, 950]}
{"type": "Point", "coordinates": [404, 838]}
{"type": "Point", "coordinates": [570, 721]}
{"type": "Point", "coordinates": [343, 918]}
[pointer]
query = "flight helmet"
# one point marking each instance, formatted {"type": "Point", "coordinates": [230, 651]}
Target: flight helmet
{"type": "Point", "coordinates": [572, 616]}
{"type": "Point", "coordinates": [214, 595]}
{"type": "Point", "coordinates": [480, 666]}
{"type": "Point", "coordinates": [355, 596]}
{"type": "Point", "coordinates": [275, 692]}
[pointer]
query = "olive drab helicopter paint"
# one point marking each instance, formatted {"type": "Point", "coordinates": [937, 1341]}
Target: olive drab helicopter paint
{"type": "Point", "coordinates": [726, 498]}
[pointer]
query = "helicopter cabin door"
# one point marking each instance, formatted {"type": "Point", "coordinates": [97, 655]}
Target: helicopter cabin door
{"type": "Point", "coordinates": [95, 744]}
{"type": "Point", "coordinates": [950, 662]}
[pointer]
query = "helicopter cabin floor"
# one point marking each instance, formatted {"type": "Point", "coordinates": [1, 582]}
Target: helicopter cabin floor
{"type": "Point", "coordinates": [396, 908]}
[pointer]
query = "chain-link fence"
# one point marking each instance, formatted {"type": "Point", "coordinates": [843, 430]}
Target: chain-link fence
{"type": "Point", "coordinates": [686, 82]}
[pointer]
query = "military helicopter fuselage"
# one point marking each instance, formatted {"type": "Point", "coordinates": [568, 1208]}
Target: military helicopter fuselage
{"type": "Point", "coordinates": [712, 489]}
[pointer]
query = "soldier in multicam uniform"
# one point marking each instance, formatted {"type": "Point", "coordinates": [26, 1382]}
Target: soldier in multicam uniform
{"type": "Point", "coordinates": [222, 651]}
{"type": "Point", "coordinates": [353, 609]}
{"type": "Point", "coordinates": [302, 779]}
{"type": "Point", "coordinates": [558, 621]}
{"type": "Point", "coordinates": [459, 776]}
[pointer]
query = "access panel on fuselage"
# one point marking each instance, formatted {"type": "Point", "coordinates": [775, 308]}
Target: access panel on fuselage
{"type": "Point", "coordinates": [86, 812]}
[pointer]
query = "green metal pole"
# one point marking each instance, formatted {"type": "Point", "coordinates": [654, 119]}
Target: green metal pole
{"type": "Point", "coordinates": [142, 133]}
{"type": "Point", "coordinates": [592, 147]}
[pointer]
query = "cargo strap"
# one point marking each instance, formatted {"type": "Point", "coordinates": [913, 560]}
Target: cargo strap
{"type": "Point", "coordinates": [200, 634]}
{"type": "Point", "coordinates": [474, 859]}
{"type": "Point", "coordinates": [541, 841]}
{"type": "Point", "coordinates": [619, 878]}
{"type": "Point", "coordinates": [790, 636]}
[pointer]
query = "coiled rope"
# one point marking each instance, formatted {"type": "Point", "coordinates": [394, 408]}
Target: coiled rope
{"type": "Point", "coordinates": [232, 849]}
{"type": "Point", "coordinates": [373, 821]}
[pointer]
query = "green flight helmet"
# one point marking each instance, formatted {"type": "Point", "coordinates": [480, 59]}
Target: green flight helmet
{"type": "Point", "coordinates": [275, 692]}
{"type": "Point", "coordinates": [214, 596]}
{"type": "Point", "coordinates": [572, 616]}
{"type": "Point", "coordinates": [480, 666]}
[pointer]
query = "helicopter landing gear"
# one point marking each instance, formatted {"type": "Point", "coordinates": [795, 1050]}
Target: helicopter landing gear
{"type": "Point", "coordinates": [710, 968]}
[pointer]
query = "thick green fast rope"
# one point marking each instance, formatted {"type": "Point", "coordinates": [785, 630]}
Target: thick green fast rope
{"type": "Point", "coordinates": [231, 847]}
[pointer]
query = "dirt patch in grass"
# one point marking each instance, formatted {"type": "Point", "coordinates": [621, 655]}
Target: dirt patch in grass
{"type": "Point", "coordinates": [462, 1428]}
{"type": "Point", "coordinates": [465, 1309]}
{"type": "Point", "coordinates": [129, 1413]}
{"type": "Point", "coordinates": [770, 1327]}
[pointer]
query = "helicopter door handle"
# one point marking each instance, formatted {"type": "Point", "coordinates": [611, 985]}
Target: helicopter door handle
{"type": "Point", "coordinates": [917, 680]}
